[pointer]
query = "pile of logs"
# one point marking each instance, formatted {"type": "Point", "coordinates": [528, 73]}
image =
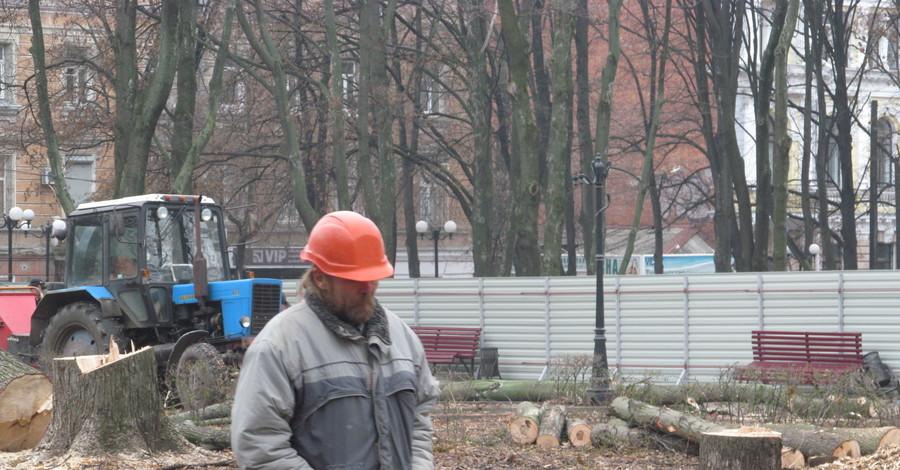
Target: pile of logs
{"type": "Point", "coordinates": [547, 427]}
{"type": "Point", "coordinates": [638, 424]}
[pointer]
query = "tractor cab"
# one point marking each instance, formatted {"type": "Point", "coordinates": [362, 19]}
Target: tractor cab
{"type": "Point", "coordinates": [139, 248]}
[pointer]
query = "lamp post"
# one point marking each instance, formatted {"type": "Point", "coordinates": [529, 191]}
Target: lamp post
{"type": "Point", "coordinates": [55, 229]}
{"type": "Point", "coordinates": [814, 250]}
{"type": "Point", "coordinates": [11, 221]}
{"type": "Point", "coordinates": [599, 388]}
{"type": "Point", "coordinates": [422, 228]}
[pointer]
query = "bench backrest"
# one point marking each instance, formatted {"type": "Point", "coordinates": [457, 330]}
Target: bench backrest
{"type": "Point", "coordinates": [461, 340]}
{"type": "Point", "coordinates": [808, 346]}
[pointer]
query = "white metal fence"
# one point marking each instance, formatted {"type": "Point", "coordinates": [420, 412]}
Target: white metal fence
{"type": "Point", "coordinates": [670, 328]}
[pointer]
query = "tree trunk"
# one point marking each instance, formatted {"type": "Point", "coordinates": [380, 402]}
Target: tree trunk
{"type": "Point", "coordinates": [208, 437]}
{"type": "Point", "coordinates": [740, 449]}
{"type": "Point", "coordinates": [112, 409]}
{"type": "Point", "coordinates": [617, 435]}
{"type": "Point", "coordinates": [578, 432]}
{"type": "Point", "coordinates": [25, 404]}
{"type": "Point", "coordinates": [524, 429]}
{"type": "Point", "coordinates": [664, 420]}
{"type": "Point", "coordinates": [218, 410]}
{"type": "Point", "coordinates": [501, 390]}
{"type": "Point", "coordinates": [871, 439]}
{"type": "Point", "coordinates": [816, 442]}
{"type": "Point", "coordinates": [559, 149]}
{"type": "Point", "coordinates": [553, 421]}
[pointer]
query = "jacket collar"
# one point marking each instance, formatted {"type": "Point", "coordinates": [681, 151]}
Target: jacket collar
{"type": "Point", "coordinates": [375, 331]}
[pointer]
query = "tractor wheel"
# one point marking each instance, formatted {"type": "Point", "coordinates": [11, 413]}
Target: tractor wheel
{"type": "Point", "coordinates": [201, 377]}
{"type": "Point", "coordinates": [78, 329]}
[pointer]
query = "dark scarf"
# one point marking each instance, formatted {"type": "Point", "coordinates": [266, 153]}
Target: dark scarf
{"type": "Point", "coordinates": [376, 327]}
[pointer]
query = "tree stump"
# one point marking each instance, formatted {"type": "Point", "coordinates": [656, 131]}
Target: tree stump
{"type": "Point", "coordinates": [112, 409]}
{"type": "Point", "coordinates": [524, 429]}
{"type": "Point", "coordinates": [553, 421]}
{"type": "Point", "coordinates": [25, 404]}
{"type": "Point", "coordinates": [740, 449]}
{"type": "Point", "coordinates": [579, 433]}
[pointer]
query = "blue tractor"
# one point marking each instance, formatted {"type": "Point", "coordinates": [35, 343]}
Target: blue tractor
{"type": "Point", "coordinates": [154, 270]}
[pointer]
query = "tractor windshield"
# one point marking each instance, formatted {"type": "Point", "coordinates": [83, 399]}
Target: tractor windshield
{"type": "Point", "coordinates": [171, 249]}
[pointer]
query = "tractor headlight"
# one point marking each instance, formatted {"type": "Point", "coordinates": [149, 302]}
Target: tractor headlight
{"type": "Point", "coordinates": [245, 321]}
{"type": "Point", "coordinates": [206, 214]}
{"type": "Point", "coordinates": [162, 212]}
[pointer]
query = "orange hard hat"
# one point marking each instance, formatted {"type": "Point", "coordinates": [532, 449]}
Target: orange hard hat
{"type": "Point", "coordinates": [347, 245]}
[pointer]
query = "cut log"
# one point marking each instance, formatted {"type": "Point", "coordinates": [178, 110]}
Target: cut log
{"type": "Point", "coordinates": [617, 436]}
{"type": "Point", "coordinates": [219, 410]}
{"type": "Point", "coordinates": [578, 432]}
{"type": "Point", "coordinates": [553, 422]}
{"type": "Point", "coordinates": [815, 442]}
{"type": "Point", "coordinates": [792, 458]}
{"type": "Point", "coordinates": [524, 429]}
{"type": "Point", "coordinates": [204, 436]}
{"type": "Point", "coordinates": [113, 409]}
{"type": "Point", "coordinates": [817, 460]}
{"type": "Point", "coordinates": [740, 449]}
{"type": "Point", "coordinates": [870, 439]}
{"type": "Point", "coordinates": [25, 404]}
{"type": "Point", "coordinates": [662, 419]}
{"type": "Point", "coordinates": [501, 390]}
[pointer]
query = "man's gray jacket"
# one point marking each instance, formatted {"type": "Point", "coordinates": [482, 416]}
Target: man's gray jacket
{"type": "Point", "coordinates": [313, 392]}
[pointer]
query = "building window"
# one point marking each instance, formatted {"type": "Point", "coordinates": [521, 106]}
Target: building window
{"type": "Point", "coordinates": [884, 256]}
{"type": "Point", "coordinates": [885, 151]}
{"type": "Point", "coordinates": [233, 88]}
{"type": "Point", "coordinates": [76, 78]}
{"type": "Point", "coordinates": [6, 74]}
{"type": "Point", "coordinates": [432, 98]}
{"type": "Point", "coordinates": [75, 84]}
{"type": "Point", "coordinates": [349, 84]}
{"type": "Point", "coordinates": [5, 183]}
{"type": "Point", "coordinates": [832, 154]}
{"type": "Point", "coordinates": [80, 178]}
{"type": "Point", "coordinates": [888, 49]}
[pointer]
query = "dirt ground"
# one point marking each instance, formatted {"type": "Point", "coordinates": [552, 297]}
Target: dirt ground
{"type": "Point", "coordinates": [468, 436]}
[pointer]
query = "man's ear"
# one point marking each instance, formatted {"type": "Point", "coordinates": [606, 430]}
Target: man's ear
{"type": "Point", "coordinates": [319, 279]}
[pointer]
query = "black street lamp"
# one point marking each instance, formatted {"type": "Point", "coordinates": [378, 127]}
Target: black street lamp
{"type": "Point", "coordinates": [599, 389]}
{"type": "Point", "coordinates": [422, 228]}
{"type": "Point", "coordinates": [55, 229]}
{"type": "Point", "coordinates": [11, 221]}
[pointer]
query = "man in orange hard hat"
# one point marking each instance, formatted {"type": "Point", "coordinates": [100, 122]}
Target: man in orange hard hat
{"type": "Point", "coordinates": [336, 381]}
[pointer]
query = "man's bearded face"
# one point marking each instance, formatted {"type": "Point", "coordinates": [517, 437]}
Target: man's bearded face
{"type": "Point", "coordinates": [351, 301]}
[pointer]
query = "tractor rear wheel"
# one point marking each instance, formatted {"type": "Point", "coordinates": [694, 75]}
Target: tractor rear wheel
{"type": "Point", "coordinates": [78, 329]}
{"type": "Point", "coordinates": [201, 377]}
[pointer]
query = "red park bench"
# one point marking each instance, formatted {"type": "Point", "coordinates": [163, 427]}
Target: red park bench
{"type": "Point", "coordinates": [802, 357]}
{"type": "Point", "coordinates": [450, 345]}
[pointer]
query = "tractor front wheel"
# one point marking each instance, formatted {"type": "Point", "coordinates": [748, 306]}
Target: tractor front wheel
{"type": "Point", "coordinates": [201, 377]}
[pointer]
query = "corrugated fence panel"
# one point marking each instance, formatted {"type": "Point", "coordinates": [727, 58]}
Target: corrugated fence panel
{"type": "Point", "coordinates": [667, 328]}
{"type": "Point", "coordinates": [517, 325]}
{"type": "Point", "coordinates": [819, 310]}
{"type": "Point", "coordinates": [723, 309]}
{"type": "Point", "coordinates": [872, 307]}
{"type": "Point", "coordinates": [572, 305]}
{"type": "Point", "coordinates": [651, 326]}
